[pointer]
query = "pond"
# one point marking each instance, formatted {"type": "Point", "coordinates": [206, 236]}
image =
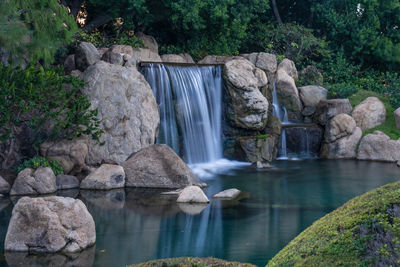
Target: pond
{"type": "Point", "coordinates": [135, 225]}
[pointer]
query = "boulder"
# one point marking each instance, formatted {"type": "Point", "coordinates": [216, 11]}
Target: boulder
{"type": "Point", "coordinates": [211, 59]}
{"type": "Point", "coordinates": [66, 182]}
{"type": "Point", "coordinates": [86, 55]}
{"type": "Point", "coordinates": [69, 64]}
{"type": "Point", "coordinates": [102, 51]}
{"type": "Point", "coordinates": [342, 148]}
{"type": "Point", "coordinates": [113, 58]}
{"type": "Point", "coordinates": [248, 108]}
{"type": "Point", "coordinates": [33, 182]}
{"type": "Point", "coordinates": [122, 49]}
{"type": "Point", "coordinates": [261, 165]}
{"type": "Point", "coordinates": [252, 148]}
{"type": "Point", "coordinates": [181, 58]}
{"type": "Point", "coordinates": [192, 194]}
{"type": "Point", "coordinates": [145, 55]}
{"type": "Point", "coordinates": [127, 108]}
{"type": "Point", "coordinates": [50, 225]}
{"type": "Point", "coordinates": [228, 194]}
{"type": "Point", "coordinates": [289, 67]}
{"type": "Point", "coordinates": [71, 154]}
{"type": "Point", "coordinates": [310, 96]}
{"type": "Point", "coordinates": [148, 41]}
{"type": "Point", "coordinates": [369, 113]}
{"type": "Point", "coordinates": [327, 109]}
{"type": "Point", "coordinates": [158, 166]}
{"type": "Point", "coordinates": [4, 186]}
{"type": "Point", "coordinates": [340, 126]}
{"type": "Point", "coordinates": [379, 147]}
{"type": "Point", "coordinates": [130, 62]}
{"type": "Point", "coordinates": [77, 74]}
{"type": "Point", "coordinates": [106, 177]}
{"type": "Point", "coordinates": [265, 61]}
{"type": "Point", "coordinates": [397, 118]}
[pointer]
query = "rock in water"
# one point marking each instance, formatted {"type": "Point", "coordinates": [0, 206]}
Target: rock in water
{"type": "Point", "coordinates": [369, 113]}
{"type": "Point", "coordinates": [34, 182]}
{"type": "Point", "coordinates": [66, 182]}
{"type": "Point", "coordinates": [228, 194]}
{"type": "Point", "coordinates": [104, 178]}
{"type": "Point", "coordinates": [127, 107]}
{"type": "Point", "coordinates": [192, 194]}
{"type": "Point", "coordinates": [378, 146]}
{"type": "Point", "coordinates": [4, 186]}
{"type": "Point", "coordinates": [50, 225]}
{"type": "Point", "coordinates": [158, 166]}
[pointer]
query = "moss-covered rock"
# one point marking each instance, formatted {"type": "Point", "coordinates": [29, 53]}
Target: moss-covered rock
{"type": "Point", "coordinates": [189, 262]}
{"type": "Point", "coordinates": [363, 232]}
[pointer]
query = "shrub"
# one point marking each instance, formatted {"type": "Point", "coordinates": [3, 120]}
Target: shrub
{"type": "Point", "coordinates": [37, 162]}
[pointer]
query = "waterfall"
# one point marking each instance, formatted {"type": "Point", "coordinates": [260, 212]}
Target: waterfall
{"type": "Point", "coordinates": [190, 100]}
{"type": "Point", "coordinates": [277, 112]}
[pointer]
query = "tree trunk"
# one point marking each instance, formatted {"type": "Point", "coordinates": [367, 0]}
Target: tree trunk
{"type": "Point", "coordinates": [276, 12]}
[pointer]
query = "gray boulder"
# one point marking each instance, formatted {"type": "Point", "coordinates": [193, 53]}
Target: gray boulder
{"type": "Point", "coordinates": [397, 118]}
{"type": "Point", "coordinates": [181, 58]}
{"type": "Point", "coordinates": [228, 194]}
{"type": "Point", "coordinates": [4, 186]}
{"type": "Point", "coordinates": [122, 49]}
{"type": "Point", "coordinates": [327, 109]}
{"type": "Point", "coordinates": [113, 58]}
{"type": "Point", "coordinates": [289, 67]}
{"type": "Point", "coordinates": [34, 182]}
{"type": "Point", "coordinates": [340, 126]}
{"type": "Point", "coordinates": [310, 96]}
{"type": "Point", "coordinates": [148, 41]}
{"type": "Point", "coordinates": [192, 194]}
{"type": "Point", "coordinates": [86, 55]}
{"type": "Point", "coordinates": [369, 113]}
{"type": "Point", "coordinates": [265, 61]}
{"type": "Point", "coordinates": [158, 166]}
{"type": "Point", "coordinates": [379, 147]}
{"type": "Point", "coordinates": [66, 182]}
{"type": "Point", "coordinates": [127, 107]}
{"type": "Point", "coordinates": [50, 225]}
{"type": "Point", "coordinates": [212, 59]}
{"type": "Point", "coordinates": [106, 177]}
{"type": "Point", "coordinates": [145, 55]}
{"type": "Point", "coordinates": [248, 108]}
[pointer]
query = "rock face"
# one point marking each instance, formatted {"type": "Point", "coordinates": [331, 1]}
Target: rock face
{"type": "Point", "coordinates": [211, 59]}
{"type": "Point", "coordinates": [378, 146]}
{"type": "Point", "coordinates": [228, 194]}
{"type": "Point", "coordinates": [33, 182]}
{"type": "Point", "coordinates": [86, 55]}
{"type": "Point", "coordinates": [369, 113]}
{"type": "Point", "coordinates": [49, 225]}
{"type": "Point", "coordinates": [192, 194]}
{"type": "Point", "coordinates": [341, 138]}
{"type": "Point", "coordinates": [310, 97]}
{"type": "Point", "coordinates": [127, 105]}
{"type": "Point", "coordinates": [113, 58]}
{"type": "Point", "coordinates": [104, 178]}
{"type": "Point", "coordinates": [252, 148]}
{"type": "Point", "coordinates": [66, 182]}
{"type": "Point", "coordinates": [265, 61]}
{"type": "Point", "coordinates": [327, 109]}
{"type": "Point", "coordinates": [397, 117]}
{"type": "Point", "coordinates": [148, 41]}
{"type": "Point", "coordinates": [181, 58]}
{"type": "Point", "coordinates": [70, 153]}
{"type": "Point", "coordinates": [143, 54]}
{"type": "Point", "coordinates": [248, 108]}
{"type": "Point", "coordinates": [158, 166]}
{"type": "Point", "coordinates": [4, 186]}
{"type": "Point", "coordinates": [287, 91]}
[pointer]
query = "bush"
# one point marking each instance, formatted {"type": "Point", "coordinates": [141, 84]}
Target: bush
{"type": "Point", "coordinates": [37, 162]}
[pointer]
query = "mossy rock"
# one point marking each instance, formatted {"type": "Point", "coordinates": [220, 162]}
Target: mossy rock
{"type": "Point", "coordinates": [363, 232]}
{"type": "Point", "coordinates": [189, 262]}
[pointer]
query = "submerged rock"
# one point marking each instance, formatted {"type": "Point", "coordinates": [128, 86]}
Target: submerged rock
{"type": "Point", "coordinates": [327, 109]}
{"type": "Point", "coordinates": [106, 177]}
{"type": "Point", "coordinates": [86, 55]}
{"type": "Point", "coordinates": [158, 166]}
{"type": "Point", "coordinates": [192, 194]}
{"type": "Point", "coordinates": [34, 182]}
{"type": "Point", "coordinates": [228, 193]}
{"type": "Point", "coordinates": [50, 225]}
{"type": "Point", "coordinates": [369, 113]}
{"type": "Point", "coordinates": [66, 182]}
{"type": "Point", "coordinates": [378, 146]}
{"type": "Point", "coordinates": [4, 186]}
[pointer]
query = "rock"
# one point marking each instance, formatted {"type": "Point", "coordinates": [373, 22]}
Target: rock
{"type": "Point", "coordinates": [127, 107]}
{"type": "Point", "coordinates": [66, 182]}
{"type": "Point", "coordinates": [379, 147]}
{"type": "Point", "coordinates": [327, 109]}
{"type": "Point", "coordinates": [102, 51]}
{"type": "Point", "coordinates": [310, 97]}
{"type": "Point", "coordinates": [261, 165]}
{"type": "Point", "coordinates": [310, 74]}
{"type": "Point", "coordinates": [158, 166]}
{"type": "Point", "coordinates": [252, 148]}
{"type": "Point", "coordinates": [145, 55]}
{"type": "Point", "coordinates": [181, 58]}
{"type": "Point", "coordinates": [340, 126]}
{"type": "Point", "coordinates": [228, 193]}
{"type": "Point", "coordinates": [71, 154]}
{"type": "Point", "coordinates": [192, 194]}
{"type": "Point", "coordinates": [211, 59]}
{"type": "Point", "coordinates": [32, 182]}
{"type": "Point", "coordinates": [130, 62]}
{"type": "Point", "coordinates": [369, 113]}
{"type": "Point", "coordinates": [287, 91]}
{"type": "Point", "coordinates": [122, 49]}
{"type": "Point", "coordinates": [148, 41]}
{"type": "Point", "coordinates": [274, 126]}
{"type": "Point", "coordinates": [77, 74]}
{"type": "Point", "coordinates": [50, 225]}
{"type": "Point", "coordinates": [265, 61]}
{"type": "Point", "coordinates": [248, 108]}
{"type": "Point", "coordinates": [86, 55]}
{"type": "Point", "coordinates": [192, 208]}
{"type": "Point", "coordinates": [343, 148]}
{"type": "Point", "coordinates": [69, 64]}
{"type": "Point", "coordinates": [104, 178]}
{"type": "Point", "coordinates": [397, 118]}
{"type": "Point", "coordinates": [398, 163]}
{"type": "Point", "coordinates": [113, 58]}
{"type": "Point", "coordinates": [4, 186]}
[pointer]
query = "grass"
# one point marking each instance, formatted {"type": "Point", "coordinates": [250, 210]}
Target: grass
{"type": "Point", "coordinates": [191, 262]}
{"type": "Point", "coordinates": [389, 127]}
{"type": "Point", "coordinates": [336, 239]}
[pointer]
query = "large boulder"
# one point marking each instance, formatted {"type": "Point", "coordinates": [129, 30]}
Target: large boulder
{"type": "Point", "coordinates": [397, 118]}
{"type": "Point", "coordinates": [126, 105]}
{"type": "Point", "coordinates": [369, 113]}
{"type": "Point", "coordinates": [113, 58]}
{"type": "Point", "coordinates": [265, 61]}
{"type": "Point", "coordinates": [378, 146]}
{"type": "Point", "coordinates": [248, 108]}
{"type": "Point", "coordinates": [310, 96]}
{"type": "Point", "coordinates": [106, 177]}
{"type": "Point", "coordinates": [341, 138]}
{"type": "Point", "coordinates": [252, 148]}
{"type": "Point", "coordinates": [86, 55]}
{"type": "Point", "coordinates": [181, 58]}
{"type": "Point", "coordinates": [50, 225]}
{"type": "Point", "coordinates": [287, 91]}
{"type": "Point", "coordinates": [148, 41]}
{"type": "Point", "coordinates": [327, 109]}
{"type": "Point", "coordinates": [192, 194]}
{"type": "Point", "coordinates": [71, 154]}
{"type": "Point", "coordinates": [158, 166]}
{"type": "Point", "coordinates": [4, 186]}
{"type": "Point", "coordinates": [211, 59]}
{"type": "Point", "coordinates": [33, 182]}
{"type": "Point", "coordinates": [145, 55]}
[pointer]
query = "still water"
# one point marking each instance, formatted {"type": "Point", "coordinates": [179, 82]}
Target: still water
{"type": "Point", "coordinates": [138, 225]}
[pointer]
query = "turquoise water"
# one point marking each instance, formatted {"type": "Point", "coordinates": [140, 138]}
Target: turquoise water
{"type": "Point", "coordinates": [138, 225]}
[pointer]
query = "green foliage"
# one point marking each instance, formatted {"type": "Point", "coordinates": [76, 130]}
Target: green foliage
{"type": "Point", "coordinates": [34, 29]}
{"type": "Point", "coordinates": [102, 39]}
{"type": "Point", "coordinates": [37, 162]}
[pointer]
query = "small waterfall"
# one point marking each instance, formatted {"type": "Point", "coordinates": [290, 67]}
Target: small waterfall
{"type": "Point", "coordinates": [277, 112]}
{"type": "Point", "coordinates": [190, 105]}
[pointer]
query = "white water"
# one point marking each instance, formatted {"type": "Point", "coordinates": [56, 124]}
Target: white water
{"type": "Point", "coordinates": [277, 112]}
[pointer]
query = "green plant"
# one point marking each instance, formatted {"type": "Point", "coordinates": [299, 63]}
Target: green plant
{"type": "Point", "coordinates": [37, 162]}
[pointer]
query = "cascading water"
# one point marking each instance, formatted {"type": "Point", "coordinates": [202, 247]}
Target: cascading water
{"type": "Point", "coordinates": [277, 112]}
{"type": "Point", "coordinates": [190, 104]}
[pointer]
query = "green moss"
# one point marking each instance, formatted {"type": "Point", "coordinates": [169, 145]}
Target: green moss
{"type": "Point", "coordinates": [335, 239]}
{"type": "Point", "coordinates": [191, 262]}
{"type": "Point", "coordinates": [389, 127]}
{"type": "Point", "coordinates": [262, 136]}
